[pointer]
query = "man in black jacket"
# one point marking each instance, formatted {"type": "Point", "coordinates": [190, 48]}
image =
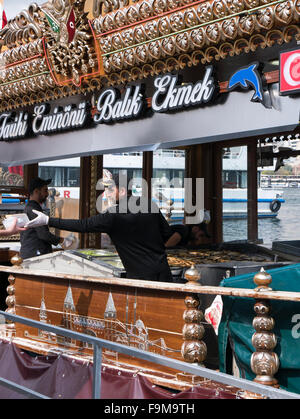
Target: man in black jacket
{"type": "Point", "coordinates": [138, 233]}
{"type": "Point", "coordinates": [38, 241]}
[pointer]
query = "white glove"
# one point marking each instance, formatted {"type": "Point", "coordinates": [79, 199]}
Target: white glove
{"type": "Point", "coordinates": [70, 242]}
{"type": "Point", "coordinates": [41, 220]}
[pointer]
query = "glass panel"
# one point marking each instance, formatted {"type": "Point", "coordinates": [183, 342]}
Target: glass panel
{"type": "Point", "coordinates": [130, 164]}
{"type": "Point", "coordinates": [168, 183]}
{"type": "Point", "coordinates": [279, 194]}
{"type": "Point", "coordinates": [64, 190]}
{"type": "Point", "coordinates": [235, 193]}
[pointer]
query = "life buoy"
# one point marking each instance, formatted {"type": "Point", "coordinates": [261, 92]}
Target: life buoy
{"type": "Point", "coordinates": [275, 205]}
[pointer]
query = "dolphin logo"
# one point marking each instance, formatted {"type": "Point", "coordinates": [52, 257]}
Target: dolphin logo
{"type": "Point", "coordinates": [246, 77]}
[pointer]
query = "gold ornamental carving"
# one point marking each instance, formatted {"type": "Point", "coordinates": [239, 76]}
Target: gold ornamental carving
{"type": "Point", "coordinates": [200, 26]}
{"type": "Point", "coordinates": [129, 40]}
{"type": "Point", "coordinates": [193, 348]}
{"type": "Point", "coordinates": [69, 43]}
{"type": "Point", "coordinates": [11, 303]}
{"type": "Point", "coordinates": [264, 362]}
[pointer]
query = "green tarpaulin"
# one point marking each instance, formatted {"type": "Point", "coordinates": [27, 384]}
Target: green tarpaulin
{"type": "Point", "coordinates": [236, 330]}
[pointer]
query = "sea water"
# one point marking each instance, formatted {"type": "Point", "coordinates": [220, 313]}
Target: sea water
{"type": "Point", "coordinates": [286, 226]}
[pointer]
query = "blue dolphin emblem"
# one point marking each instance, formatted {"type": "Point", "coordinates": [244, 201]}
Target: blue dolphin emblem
{"type": "Point", "coordinates": [246, 77]}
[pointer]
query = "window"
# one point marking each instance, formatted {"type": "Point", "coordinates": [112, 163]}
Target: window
{"type": "Point", "coordinates": [61, 176]}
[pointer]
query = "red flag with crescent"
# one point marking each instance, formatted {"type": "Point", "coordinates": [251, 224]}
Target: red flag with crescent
{"type": "Point", "coordinates": [4, 19]}
{"type": "Point", "coordinates": [71, 25]}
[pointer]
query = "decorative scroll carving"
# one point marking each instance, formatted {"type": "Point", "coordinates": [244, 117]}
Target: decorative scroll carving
{"type": "Point", "coordinates": [40, 64]}
{"type": "Point", "coordinates": [25, 27]}
{"type": "Point", "coordinates": [70, 59]}
{"type": "Point", "coordinates": [203, 56]}
{"type": "Point", "coordinates": [218, 26]}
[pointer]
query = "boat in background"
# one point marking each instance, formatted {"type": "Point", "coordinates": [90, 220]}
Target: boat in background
{"type": "Point", "coordinates": [235, 201]}
{"type": "Point", "coordinates": [280, 181]}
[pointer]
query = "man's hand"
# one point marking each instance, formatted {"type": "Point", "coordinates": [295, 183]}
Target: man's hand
{"type": "Point", "coordinates": [13, 229]}
{"type": "Point", "coordinates": [41, 220]}
{"type": "Point", "coordinates": [70, 242]}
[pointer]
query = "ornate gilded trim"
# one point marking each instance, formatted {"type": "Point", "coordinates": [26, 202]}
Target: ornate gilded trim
{"type": "Point", "coordinates": [26, 27]}
{"type": "Point", "coordinates": [199, 27]}
{"type": "Point", "coordinates": [69, 60]}
{"type": "Point", "coordinates": [206, 56]}
{"type": "Point", "coordinates": [130, 40]}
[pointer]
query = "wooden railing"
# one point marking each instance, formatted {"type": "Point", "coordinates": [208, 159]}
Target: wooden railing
{"type": "Point", "coordinates": [264, 361]}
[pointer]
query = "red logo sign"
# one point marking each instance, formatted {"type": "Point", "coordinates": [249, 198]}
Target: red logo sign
{"type": "Point", "coordinates": [290, 72]}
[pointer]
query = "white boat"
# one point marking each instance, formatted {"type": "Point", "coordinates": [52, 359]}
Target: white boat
{"type": "Point", "coordinates": [277, 181]}
{"type": "Point", "coordinates": [169, 165]}
{"type": "Point", "coordinates": [235, 200]}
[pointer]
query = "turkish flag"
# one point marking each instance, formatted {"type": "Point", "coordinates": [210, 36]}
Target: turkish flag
{"type": "Point", "coordinates": [16, 169]}
{"type": "Point", "coordinates": [71, 25]}
{"type": "Point", "coordinates": [4, 19]}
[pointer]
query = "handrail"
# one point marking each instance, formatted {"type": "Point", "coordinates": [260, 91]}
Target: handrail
{"type": "Point", "coordinates": [98, 344]}
{"type": "Point", "coordinates": [163, 286]}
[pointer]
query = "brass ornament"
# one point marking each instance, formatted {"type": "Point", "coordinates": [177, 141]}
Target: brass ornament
{"type": "Point", "coordinates": [262, 280]}
{"type": "Point", "coordinates": [25, 76]}
{"type": "Point", "coordinates": [219, 8]}
{"type": "Point", "coordinates": [120, 19]}
{"type": "Point", "coordinates": [193, 348]}
{"type": "Point", "coordinates": [11, 302]}
{"type": "Point", "coordinates": [193, 316]}
{"type": "Point", "coordinates": [145, 10]}
{"type": "Point", "coordinates": [204, 12]}
{"type": "Point", "coordinates": [264, 340]}
{"type": "Point", "coordinates": [210, 35]}
{"type": "Point", "coordinates": [235, 6]}
{"type": "Point", "coordinates": [193, 331]}
{"type": "Point", "coordinates": [264, 362]}
{"type": "Point", "coordinates": [194, 351]}
{"type": "Point", "coordinates": [192, 275]}
{"type": "Point", "coordinates": [69, 58]}
{"type": "Point", "coordinates": [191, 302]}
{"type": "Point", "coordinates": [284, 13]}
{"type": "Point", "coordinates": [16, 261]}
{"type": "Point", "coordinates": [230, 28]}
{"type": "Point", "coordinates": [191, 18]}
{"type": "Point", "coordinates": [26, 27]}
{"type": "Point", "coordinates": [265, 365]}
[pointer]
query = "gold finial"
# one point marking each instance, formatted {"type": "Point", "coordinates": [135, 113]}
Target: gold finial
{"type": "Point", "coordinates": [16, 260]}
{"type": "Point", "coordinates": [192, 275]}
{"type": "Point", "coordinates": [262, 279]}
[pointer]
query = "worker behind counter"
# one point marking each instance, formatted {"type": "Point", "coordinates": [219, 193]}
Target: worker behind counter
{"type": "Point", "coordinates": [188, 235]}
{"type": "Point", "coordinates": [139, 236]}
{"type": "Point", "coordinates": [37, 241]}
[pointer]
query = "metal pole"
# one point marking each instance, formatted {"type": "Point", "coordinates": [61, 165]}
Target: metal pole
{"type": "Point", "coordinates": [97, 358]}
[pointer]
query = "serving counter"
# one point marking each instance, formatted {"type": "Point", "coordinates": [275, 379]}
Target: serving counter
{"type": "Point", "coordinates": [144, 314]}
{"type": "Point", "coordinates": [87, 291]}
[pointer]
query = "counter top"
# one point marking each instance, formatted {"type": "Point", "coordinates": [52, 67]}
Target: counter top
{"type": "Point", "coordinates": [163, 286]}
